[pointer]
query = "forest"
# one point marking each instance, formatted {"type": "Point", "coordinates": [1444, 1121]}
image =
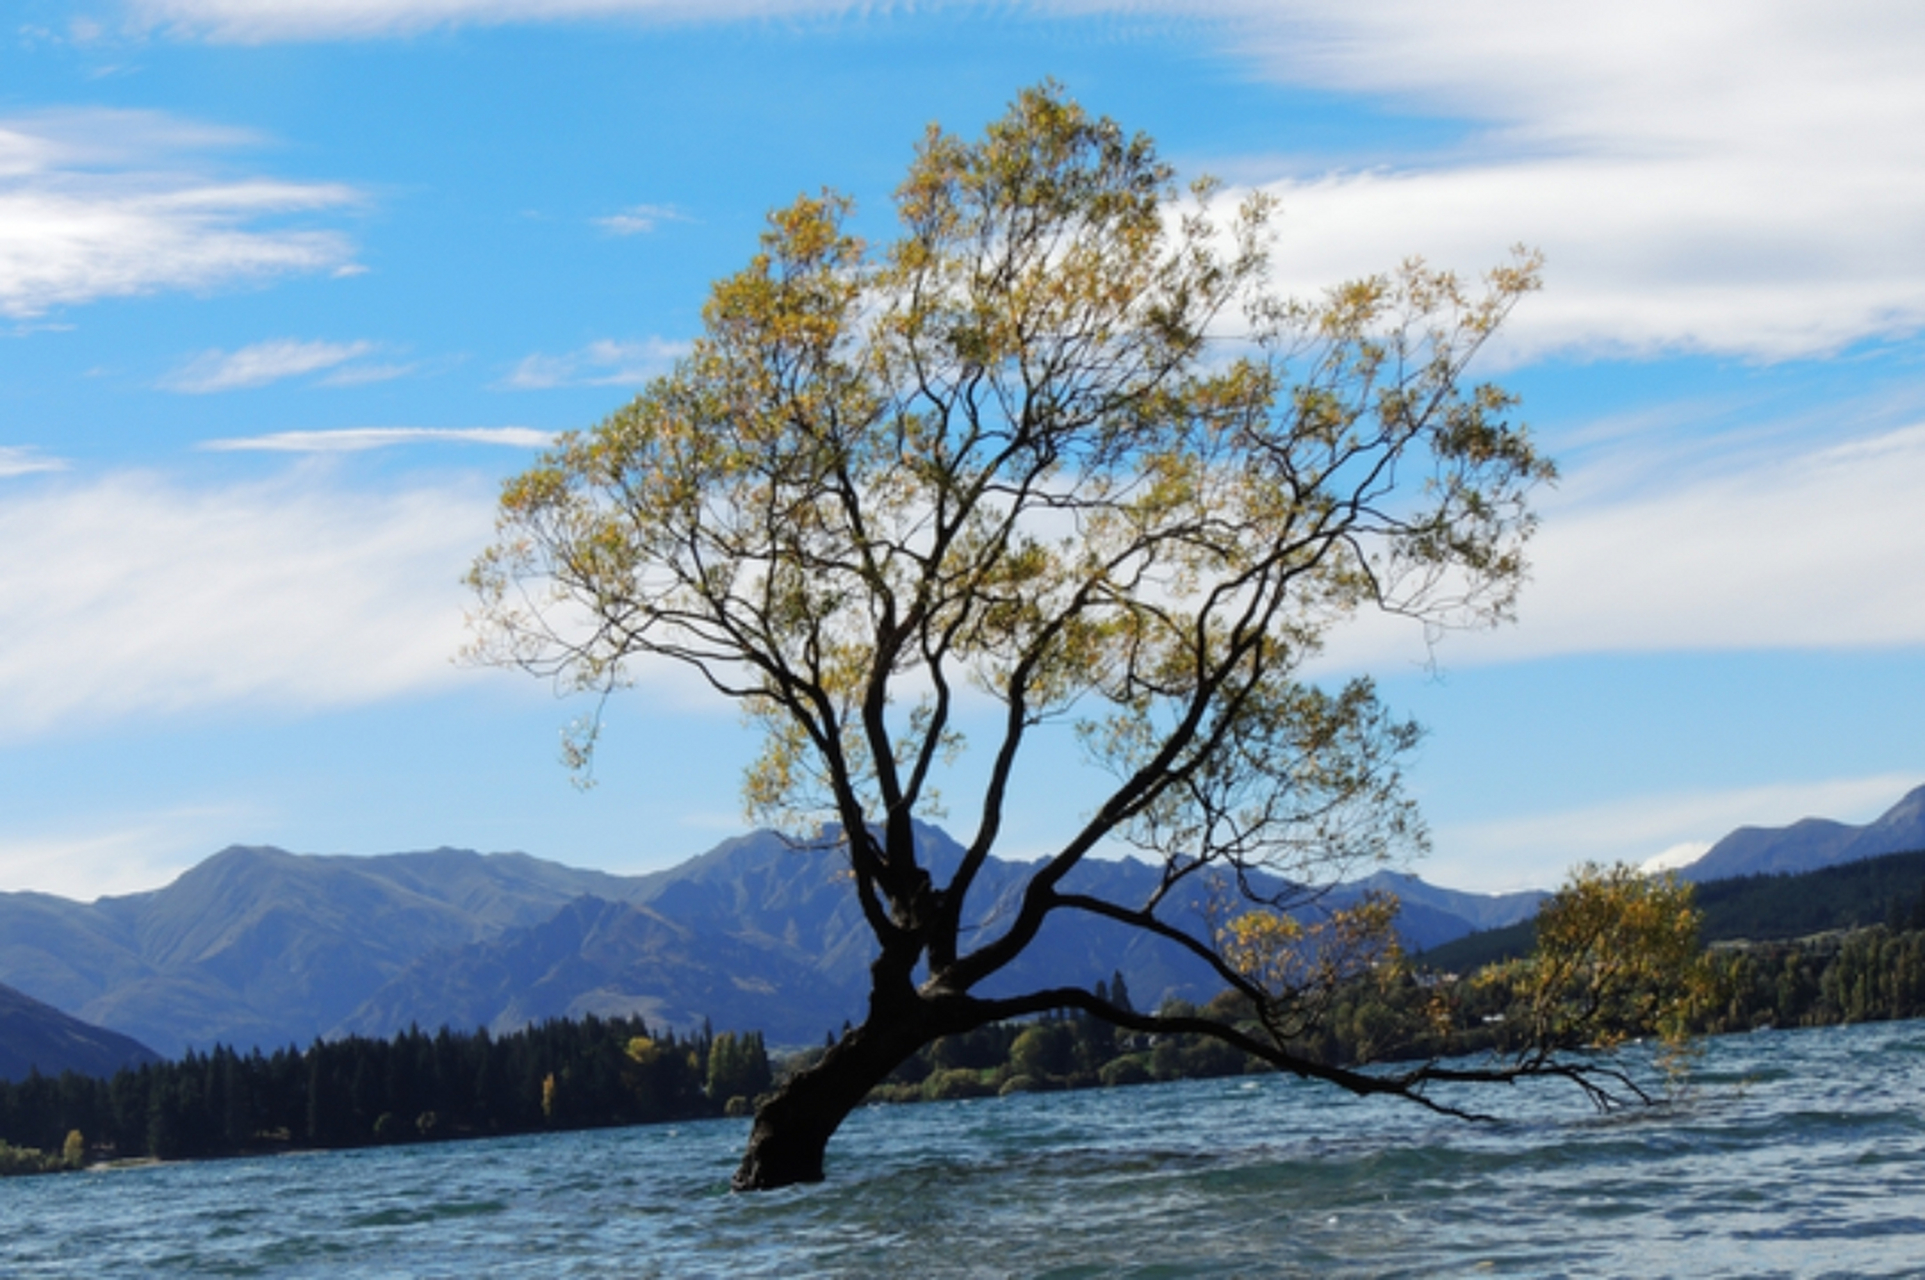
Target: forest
{"type": "Point", "coordinates": [561, 1074]}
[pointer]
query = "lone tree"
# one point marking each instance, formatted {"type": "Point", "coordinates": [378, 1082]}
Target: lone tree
{"type": "Point", "coordinates": [1058, 443]}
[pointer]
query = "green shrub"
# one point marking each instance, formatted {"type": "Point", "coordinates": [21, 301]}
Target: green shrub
{"type": "Point", "coordinates": [17, 1161]}
{"type": "Point", "coordinates": [958, 1082]}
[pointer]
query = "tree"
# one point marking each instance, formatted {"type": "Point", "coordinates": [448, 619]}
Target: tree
{"type": "Point", "coordinates": [1044, 1051]}
{"type": "Point", "coordinates": [1617, 957]}
{"type": "Point", "coordinates": [738, 1066]}
{"type": "Point", "coordinates": [1060, 442]}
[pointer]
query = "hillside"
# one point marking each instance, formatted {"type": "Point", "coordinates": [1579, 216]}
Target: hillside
{"type": "Point", "coordinates": [38, 1037]}
{"type": "Point", "coordinates": [1757, 908]}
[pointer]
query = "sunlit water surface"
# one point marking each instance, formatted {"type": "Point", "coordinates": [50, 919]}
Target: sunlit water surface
{"type": "Point", "coordinates": [1798, 1154]}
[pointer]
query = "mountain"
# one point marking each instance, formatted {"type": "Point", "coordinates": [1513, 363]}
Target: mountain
{"type": "Point", "coordinates": [38, 1037]}
{"type": "Point", "coordinates": [1900, 829]}
{"type": "Point", "coordinates": [608, 958]}
{"type": "Point", "coordinates": [1480, 910]}
{"type": "Point", "coordinates": [753, 934]}
{"type": "Point", "coordinates": [1812, 843]}
{"type": "Point", "coordinates": [257, 946]}
{"type": "Point", "coordinates": [1768, 907]}
{"type": "Point", "coordinates": [757, 933]}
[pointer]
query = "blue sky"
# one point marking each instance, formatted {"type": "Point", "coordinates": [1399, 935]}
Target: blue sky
{"type": "Point", "coordinates": [287, 287]}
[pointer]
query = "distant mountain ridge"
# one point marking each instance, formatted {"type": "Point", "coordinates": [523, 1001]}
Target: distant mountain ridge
{"type": "Point", "coordinates": [757, 933]}
{"type": "Point", "coordinates": [1812, 843]}
{"type": "Point", "coordinates": [256, 946]}
{"type": "Point", "coordinates": [1769, 907]}
{"type": "Point", "coordinates": [260, 947]}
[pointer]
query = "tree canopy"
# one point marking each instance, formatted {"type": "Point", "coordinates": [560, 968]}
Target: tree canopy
{"type": "Point", "coordinates": [1058, 445]}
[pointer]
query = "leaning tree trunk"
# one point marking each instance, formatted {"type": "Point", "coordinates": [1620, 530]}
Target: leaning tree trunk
{"type": "Point", "coordinates": [793, 1128]}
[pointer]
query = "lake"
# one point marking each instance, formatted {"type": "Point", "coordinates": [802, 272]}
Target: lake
{"type": "Point", "coordinates": [1790, 1153]}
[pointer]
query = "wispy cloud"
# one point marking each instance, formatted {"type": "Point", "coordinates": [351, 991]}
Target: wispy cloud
{"type": "Point", "coordinates": [1804, 548]}
{"type": "Point", "coordinates": [1725, 176]}
{"type": "Point", "coordinates": [640, 219]}
{"type": "Point", "coordinates": [130, 596]}
{"type": "Point", "coordinates": [89, 860]}
{"type": "Point", "coordinates": [260, 21]}
{"type": "Point", "coordinates": [260, 364]}
{"type": "Point", "coordinates": [97, 204]}
{"type": "Point", "coordinates": [25, 460]}
{"type": "Point", "coordinates": [360, 375]}
{"type": "Point", "coordinates": [604, 363]}
{"type": "Point", "coordinates": [1713, 258]}
{"type": "Point", "coordinates": [360, 439]}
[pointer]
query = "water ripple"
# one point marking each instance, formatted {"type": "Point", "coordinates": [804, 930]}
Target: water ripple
{"type": "Point", "coordinates": [1791, 1153]}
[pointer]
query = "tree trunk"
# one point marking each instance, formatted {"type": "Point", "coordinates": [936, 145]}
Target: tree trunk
{"type": "Point", "coordinates": [793, 1128]}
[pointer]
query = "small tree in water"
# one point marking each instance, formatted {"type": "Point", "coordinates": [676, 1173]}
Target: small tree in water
{"type": "Point", "coordinates": [1058, 442]}
{"type": "Point", "coordinates": [1617, 957]}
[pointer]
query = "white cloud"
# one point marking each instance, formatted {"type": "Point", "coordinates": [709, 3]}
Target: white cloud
{"type": "Point", "coordinates": [604, 363]}
{"type": "Point", "coordinates": [260, 364]}
{"type": "Point", "coordinates": [1516, 853]}
{"type": "Point", "coordinates": [257, 21]}
{"type": "Point", "coordinates": [640, 219]}
{"type": "Point", "coordinates": [1811, 549]}
{"type": "Point", "coordinates": [1733, 176]}
{"type": "Point", "coordinates": [1727, 176]}
{"type": "Point", "coordinates": [1700, 253]}
{"type": "Point", "coordinates": [359, 439]}
{"type": "Point", "coordinates": [1676, 858]}
{"type": "Point", "coordinates": [360, 375]}
{"type": "Point", "coordinates": [129, 596]}
{"type": "Point", "coordinates": [132, 855]}
{"type": "Point", "coordinates": [24, 460]}
{"type": "Point", "coordinates": [97, 204]}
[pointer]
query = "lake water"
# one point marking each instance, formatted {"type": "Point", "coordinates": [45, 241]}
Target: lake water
{"type": "Point", "coordinates": [1792, 1153]}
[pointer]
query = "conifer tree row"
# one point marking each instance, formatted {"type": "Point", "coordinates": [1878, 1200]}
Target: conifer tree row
{"type": "Point", "coordinates": [562, 1074]}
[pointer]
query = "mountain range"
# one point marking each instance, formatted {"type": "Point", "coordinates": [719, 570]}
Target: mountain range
{"type": "Point", "coordinates": [260, 947]}
{"type": "Point", "coordinates": [1811, 843]}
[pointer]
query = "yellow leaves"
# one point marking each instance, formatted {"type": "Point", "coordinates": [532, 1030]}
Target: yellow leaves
{"type": "Point", "coordinates": [773, 779]}
{"type": "Point", "coordinates": [1173, 482]}
{"type": "Point", "coordinates": [1617, 956]}
{"type": "Point", "coordinates": [1261, 943]}
{"type": "Point", "coordinates": [810, 230]}
{"type": "Point", "coordinates": [1299, 966]}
